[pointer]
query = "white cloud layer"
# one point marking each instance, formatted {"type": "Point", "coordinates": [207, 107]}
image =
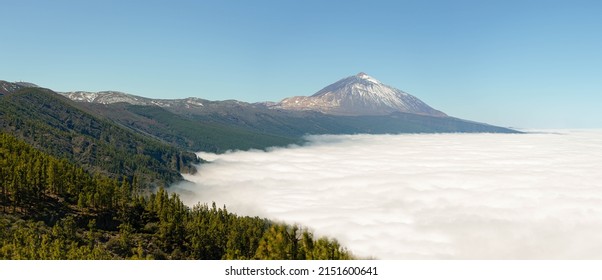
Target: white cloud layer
{"type": "Point", "coordinates": [429, 196]}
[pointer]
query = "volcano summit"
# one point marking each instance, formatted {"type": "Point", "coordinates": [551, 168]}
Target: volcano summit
{"type": "Point", "coordinates": [359, 95]}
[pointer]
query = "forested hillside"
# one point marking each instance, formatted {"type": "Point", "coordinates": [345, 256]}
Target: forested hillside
{"type": "Point", "coordinates": [56, 126]}
{"type": "Point", "coordinates": [298, 124]}
{"type": "Point", "coordinates": [188, 133]}
{"type": "Point", "coordinates": [52, 209]}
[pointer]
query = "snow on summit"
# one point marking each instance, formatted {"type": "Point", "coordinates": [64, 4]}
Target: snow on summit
{"type": "Point", "coordinates": [356, 95]}
{"type": "Point", "coordinates": [365, 76]}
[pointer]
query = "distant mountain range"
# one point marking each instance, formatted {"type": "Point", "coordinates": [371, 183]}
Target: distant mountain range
{"type": "Point", "coordinates": [359, 95]}
{"type": "Point", "coordinates": [356, 104]}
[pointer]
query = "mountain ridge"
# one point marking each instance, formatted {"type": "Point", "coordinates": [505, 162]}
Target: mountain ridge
{"type": "Point", "coordinates": [355, 95]}
{"type": "Point", "coordinates": [198, 124]}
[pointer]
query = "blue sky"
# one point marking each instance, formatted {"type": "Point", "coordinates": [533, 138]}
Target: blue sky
{"type": "Point", "coordinates": [531, 64]}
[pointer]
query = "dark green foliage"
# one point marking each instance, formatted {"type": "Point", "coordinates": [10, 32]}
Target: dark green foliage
{"type": "Point", "coordinates": [56, 126]}
{"type": "Point", "coordinates": [192, 134]}
{"type": "Point", "coordinates": [26, 239]}
{"type": "Point", "coordinates": [297, 124]}
{"type": "Point", "coordinates": [286, 242]}
{"type": "Point", "coordinates": [51, 209]}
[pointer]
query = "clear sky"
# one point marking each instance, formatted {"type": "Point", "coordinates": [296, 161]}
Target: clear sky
{"type": "Point", "coordinates": [529, 64]}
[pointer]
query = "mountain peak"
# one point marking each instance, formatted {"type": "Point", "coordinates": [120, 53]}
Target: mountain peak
{"type": "Point", "coordinates": [367, 77]}
{"type": "Point", "coordinates": [357, 95]}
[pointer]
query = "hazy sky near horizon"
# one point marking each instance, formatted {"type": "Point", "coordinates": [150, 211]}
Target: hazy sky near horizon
{"type": "Point", "coordinates": [530, 64]}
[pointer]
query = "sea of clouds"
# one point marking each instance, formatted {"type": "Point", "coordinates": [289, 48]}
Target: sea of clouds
{"type": "Point", "coordinates": [424, 196]}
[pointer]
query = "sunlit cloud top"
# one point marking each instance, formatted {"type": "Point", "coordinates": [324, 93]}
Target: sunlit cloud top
{"type": "Point", "coordinates": [440, 196]}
